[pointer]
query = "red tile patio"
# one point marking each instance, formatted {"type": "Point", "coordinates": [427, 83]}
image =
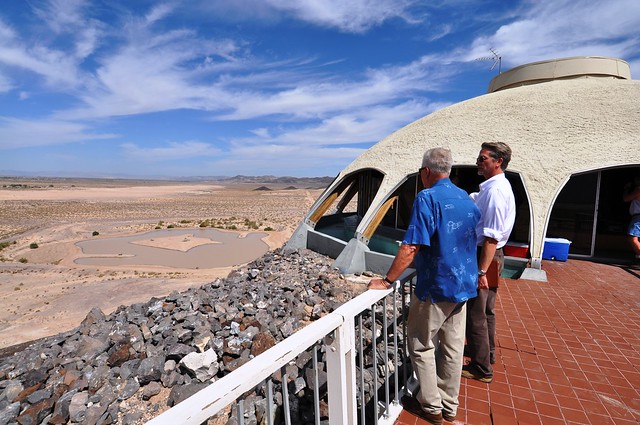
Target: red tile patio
{"type": "Point", "coordinates": [568, 351]}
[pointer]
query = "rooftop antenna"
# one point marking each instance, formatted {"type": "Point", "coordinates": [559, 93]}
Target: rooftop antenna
{"type": "Point", "coordinates": [496, 58]}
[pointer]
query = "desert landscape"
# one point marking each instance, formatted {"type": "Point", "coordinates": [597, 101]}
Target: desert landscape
{"type": "Point", "coordinates": [43, 291]}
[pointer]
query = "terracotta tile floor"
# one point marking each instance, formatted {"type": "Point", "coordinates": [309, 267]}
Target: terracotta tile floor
{"type": "Point", "coordinates": [568, 351]}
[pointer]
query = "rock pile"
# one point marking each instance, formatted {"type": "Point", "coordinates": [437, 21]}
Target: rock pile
{"type": "Point", "coordinates": [129, 366]}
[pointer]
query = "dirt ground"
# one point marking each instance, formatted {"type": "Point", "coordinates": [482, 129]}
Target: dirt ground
{"type": "Point", "coordinates": [43, 292]}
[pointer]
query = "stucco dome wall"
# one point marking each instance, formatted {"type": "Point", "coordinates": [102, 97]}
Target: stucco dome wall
{"type": "Point", "coordinates": [555, 129]}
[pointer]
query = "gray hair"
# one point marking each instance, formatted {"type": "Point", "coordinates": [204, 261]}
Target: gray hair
{"type": "Point", "coordinates": [438, 160]}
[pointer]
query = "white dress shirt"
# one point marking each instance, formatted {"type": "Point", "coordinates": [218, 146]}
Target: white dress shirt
{"type": "Point", "coordinates": [497, 208]}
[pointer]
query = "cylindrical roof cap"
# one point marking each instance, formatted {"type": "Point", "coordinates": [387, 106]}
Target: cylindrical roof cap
{"type": "Point", "coordinates": [557, 69]}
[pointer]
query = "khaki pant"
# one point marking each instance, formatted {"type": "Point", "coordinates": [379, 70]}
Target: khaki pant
{"type": "Point", "coordinates": [435, 335]}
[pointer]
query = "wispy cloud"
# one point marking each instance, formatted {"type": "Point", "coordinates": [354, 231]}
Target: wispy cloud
{"type": "Point", "coordinates": [17, 133]}
{"type": "Point", "coordinates": [170, 152]}
{"type": "Point", "coordinates": [357, 127]}
{"type": "Point", "coordinates": [118, 64]}
{"type": "Point", "coordinates": [350, 16]}
{"type": "Point", "coordinates": [281, 160]}
{"type": "Point", "coordinates": [354, 16]}
{"type": "Point", "coordinates": [565, 28]}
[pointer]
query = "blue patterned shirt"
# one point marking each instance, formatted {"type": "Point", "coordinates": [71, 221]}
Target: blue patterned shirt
{"type": "Point", "coordinates": [443, 221]}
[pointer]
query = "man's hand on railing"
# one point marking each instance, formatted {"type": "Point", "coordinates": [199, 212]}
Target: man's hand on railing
{"type": "Point", "coordinates": [378, 284]}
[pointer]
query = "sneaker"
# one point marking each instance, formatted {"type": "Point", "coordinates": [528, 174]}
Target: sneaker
{"type": "Point", "coordinates": [448, 417]}
{"type": "Point", "coordinates": [412, 405]}
{"type": "Point", "coordinates": [469, 373]}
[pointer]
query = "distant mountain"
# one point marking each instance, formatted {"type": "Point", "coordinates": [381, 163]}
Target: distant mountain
{"type": "Point", "coordinates": [297, 181]}
{"type": "Point", "coordinates": [308, 182]}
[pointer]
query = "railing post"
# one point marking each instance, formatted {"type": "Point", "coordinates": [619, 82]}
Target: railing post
{"type": "Point", "coordinates": [341, 375]}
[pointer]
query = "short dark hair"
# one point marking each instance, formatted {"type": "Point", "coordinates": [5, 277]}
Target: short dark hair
{"type": "Point", "coordinates": [499, 150]}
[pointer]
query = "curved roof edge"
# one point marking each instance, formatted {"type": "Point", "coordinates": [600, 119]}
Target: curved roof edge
{"type": "Point", "coordinates": [574, 67]}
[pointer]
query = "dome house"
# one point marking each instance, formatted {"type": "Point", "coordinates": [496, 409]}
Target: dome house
{"type": "Point", "coordinates": [573, 125]}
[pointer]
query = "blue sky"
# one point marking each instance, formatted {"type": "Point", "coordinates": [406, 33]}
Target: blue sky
{"type": "Point", "coordinates": [121, 88]}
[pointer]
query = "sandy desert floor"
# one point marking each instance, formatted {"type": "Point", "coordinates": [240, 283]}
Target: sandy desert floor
{"type": "Point", "coordinates": [42, 290]}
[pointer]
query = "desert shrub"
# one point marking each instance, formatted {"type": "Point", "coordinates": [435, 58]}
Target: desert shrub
{"type": "Point", "coordinates": [268, 228]}
{"type": "Point", "coordinates": [171, 226]}
{"type": "Point", "coordinates": [23, 260]}
{"type": "Point", "coordinates": [3, 245]}
{"type": "Point", "coordinates": [33, 245]}
{"type": "Point", "coordinates": [232, 227]}
{"type": "Point", "coordinates": [185, 221]}
{"type": "Point", "coordinates": [250, 224]}
{"type": "Point", "coordinates": [95, 233]}
{"type": "Point", "coordinates": [158, 227]}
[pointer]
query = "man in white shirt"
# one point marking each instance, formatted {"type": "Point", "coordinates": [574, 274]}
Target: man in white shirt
{"type": "Point", "coordinates": [496, 203]}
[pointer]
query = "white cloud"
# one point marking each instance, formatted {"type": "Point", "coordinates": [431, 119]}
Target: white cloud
{"type": "Point", "coordinates": [173, 151]}
{"type": "Point", "coordinates": [67, 18]}
{"type": "Point", "coordinates": [17, 133]}
{"type": "Point", "coordinates": [353, 16]}
{"type": "Point", "coordinates": [59, 15]}
{"type": "Point", "coordinates": [316, 99]}
{"type": "Point", "coordinates": [56, 66]}
{"type": "Point", "coordinates": [5, 84]}
{"type": "Point", "coordinates": [280, 160]}
{"type": "Point", "coordinates": [159, 12]}
{"type": "Point", "coordinates": [363, 126]}
{"type": "Point", "coordinates": [565, 28]}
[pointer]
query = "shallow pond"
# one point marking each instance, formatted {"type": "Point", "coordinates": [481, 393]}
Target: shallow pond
{"type": "Point", "coordinates": [177, 248]}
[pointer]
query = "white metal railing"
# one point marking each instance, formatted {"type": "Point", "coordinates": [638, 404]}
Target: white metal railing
{"type": "Point", "coordinates": [338, 330]}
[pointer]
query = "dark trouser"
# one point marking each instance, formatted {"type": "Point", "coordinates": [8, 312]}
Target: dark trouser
{"type": "Point", "coordinates": [481, 330]}
{"type": "Point", "coordinates": [481, 322]}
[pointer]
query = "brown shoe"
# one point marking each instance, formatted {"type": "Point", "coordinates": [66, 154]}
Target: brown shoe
{"type": "Point", "coordinates": [412, 405]}
{"type": "Point", "coordinates": [470, 373]}
{"type": "Point", "coordinates": [448, 417]}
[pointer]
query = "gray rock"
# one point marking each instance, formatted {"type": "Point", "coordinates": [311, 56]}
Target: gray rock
{"type": "Point", "coordinates": [182, 392]}
{"type": "Point", "coordinates": [202, 366]}
{"type": "Point", "coordinates": [136, 349]}
{"type": "Point", "coordinates": [11, 391]}
{"type": "Point", "coordinates": [89, 348]}
{"type": "Point", "coordinates": [78, 406]}
{"type": "Point", "coordinates": [150, 369]}
{"type": "Point", "coordinates": [38, 396]}
{"type": "Point", "coordinates": [9, 413]}
{"type": "Point", "coordinates": [130, 387]}
{"type": "Point", "coordinates": [178, 351]}
{"type": "Point", "coordinates": [151, 389]}
{"type": "Point", "coordinates": [61, 408]}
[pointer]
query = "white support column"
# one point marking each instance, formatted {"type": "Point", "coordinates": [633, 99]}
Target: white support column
{"type": "Point", "coordinates": [341, 375]}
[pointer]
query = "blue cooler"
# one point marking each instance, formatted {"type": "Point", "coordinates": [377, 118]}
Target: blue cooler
{"type": "Point", "coordinates": [556, 249]}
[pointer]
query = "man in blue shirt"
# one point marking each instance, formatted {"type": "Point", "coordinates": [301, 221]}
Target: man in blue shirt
{"type": "Point", "coordinates": [441, 241]}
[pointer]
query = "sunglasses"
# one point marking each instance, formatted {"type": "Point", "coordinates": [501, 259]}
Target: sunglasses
{"type": "Point", "coordinates": [482, 158]}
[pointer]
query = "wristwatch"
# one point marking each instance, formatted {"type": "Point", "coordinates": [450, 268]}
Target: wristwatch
{"type": "Point", "coordinates": [481, 273]}
{"type": "Point", "coordinates": [386, 279]}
